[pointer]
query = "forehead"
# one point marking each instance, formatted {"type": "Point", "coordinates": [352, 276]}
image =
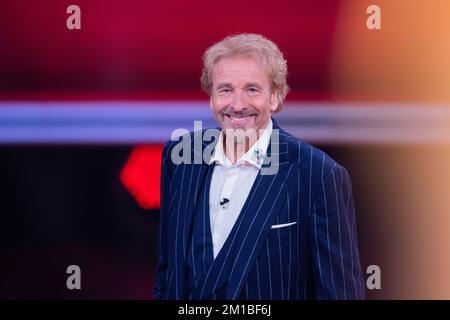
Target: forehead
{"type": "Point", "coordinates": [239, 69]}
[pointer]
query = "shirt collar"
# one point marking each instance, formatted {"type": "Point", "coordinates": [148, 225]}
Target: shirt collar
{"type": "Point", "coordinates": [254, 156]}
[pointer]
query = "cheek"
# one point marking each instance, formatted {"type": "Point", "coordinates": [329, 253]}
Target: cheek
{"type": "Point", "coordinates": [262, 105]}
{"type": "Point", "coordinates": [223, 103]}
{"type": "Point", "coordinates": [217, 104]}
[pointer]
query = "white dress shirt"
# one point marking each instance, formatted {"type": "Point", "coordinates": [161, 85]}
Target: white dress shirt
{"type": "Point", "coordinates": [232, 182]}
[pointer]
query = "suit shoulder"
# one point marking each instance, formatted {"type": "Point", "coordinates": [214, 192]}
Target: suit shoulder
{"type": "Point", "coordinates": [314, 165]}
{"type": "Point", "coordinates": [309, 156]}
{"type": "Point", "coordinates": [191, 142]}
{"type": "Point", "coordinates": [190, 136]}
{"type": "Point", "coordinates": [182, 136]}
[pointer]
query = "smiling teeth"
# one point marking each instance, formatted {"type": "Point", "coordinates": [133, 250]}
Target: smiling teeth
{"type": "Point", "coordinates": [239, 119]}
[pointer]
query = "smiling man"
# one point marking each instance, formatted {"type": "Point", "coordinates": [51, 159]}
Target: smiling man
{"type": "Point", "coordinates": [230, 228]}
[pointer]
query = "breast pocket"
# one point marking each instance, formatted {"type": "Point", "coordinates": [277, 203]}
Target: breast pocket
{"type": "Point", "coordinates": [281, 248]}
{"type": "Point", "coordinates": [281, 233]}
{"type": "Point", "coordinates": [283, 225]}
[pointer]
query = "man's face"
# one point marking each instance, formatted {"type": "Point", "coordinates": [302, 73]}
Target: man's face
{"type": "Point", "coordinates": [241, 95]}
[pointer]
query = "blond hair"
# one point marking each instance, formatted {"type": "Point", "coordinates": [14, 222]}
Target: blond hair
{"type": "Point", "coordinates": [252, 46]}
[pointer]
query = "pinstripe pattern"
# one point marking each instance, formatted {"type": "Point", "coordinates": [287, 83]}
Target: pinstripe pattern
{"type": "Point", "coordinates": [327, 229]}
{"type": "Point", "coordinates": [315, 258]}
{"type": "Point", "coordinates": [200, 255]}
{"type": "Point", "coordinates": [258, 281]}
{"type": "Point", "coordinates": [290, 251]}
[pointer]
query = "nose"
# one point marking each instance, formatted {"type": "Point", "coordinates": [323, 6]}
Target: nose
{"type": "Point", "coordinates": [239, 102]}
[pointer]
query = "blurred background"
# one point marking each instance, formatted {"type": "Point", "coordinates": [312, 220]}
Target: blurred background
{"type": "Point", "coordinates": [84, 114]}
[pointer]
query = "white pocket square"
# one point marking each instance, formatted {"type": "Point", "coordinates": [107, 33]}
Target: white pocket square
{"type": "Point", "coordinates": [283, 225]}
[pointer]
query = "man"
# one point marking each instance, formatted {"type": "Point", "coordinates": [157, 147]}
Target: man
{"type": "Point", "coordinates": [233, 229]}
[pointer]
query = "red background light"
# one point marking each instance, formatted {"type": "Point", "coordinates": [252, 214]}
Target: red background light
{"type": "Point", "coordinates": [141, 175]}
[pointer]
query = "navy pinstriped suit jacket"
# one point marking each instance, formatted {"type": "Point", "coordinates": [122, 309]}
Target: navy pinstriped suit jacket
{"type": "Point", "coordinates": [315, 258]}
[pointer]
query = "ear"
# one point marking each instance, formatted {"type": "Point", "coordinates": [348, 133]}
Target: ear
{"type": "Point", "coordinates": [211, 102]}
{"type": "Point", "coordinates": [273, 101]}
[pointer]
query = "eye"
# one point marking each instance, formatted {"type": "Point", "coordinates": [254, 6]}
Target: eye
{"type": "Point", "coordinates": [225, 90]}
{"type": "Point", "coordinates": [252, 90]}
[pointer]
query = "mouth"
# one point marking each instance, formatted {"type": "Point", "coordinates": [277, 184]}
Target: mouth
{"type": "Point", "coordinates": [239, 120]}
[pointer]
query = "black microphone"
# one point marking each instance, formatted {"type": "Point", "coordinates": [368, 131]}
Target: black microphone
{"type": "Point", "coordinates": [224, 201]}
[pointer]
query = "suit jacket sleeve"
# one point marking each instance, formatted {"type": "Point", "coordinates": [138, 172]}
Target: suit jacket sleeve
{"type": "Point", "coordinates": [161, 270]}
{"type": "Point", "coordinates": [337, 270]}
